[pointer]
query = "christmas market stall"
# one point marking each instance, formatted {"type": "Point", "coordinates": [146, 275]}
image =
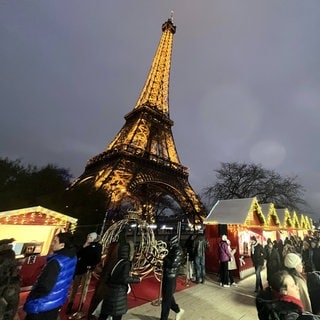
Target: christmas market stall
{"type": "Point", "coordinates": [271, 228]}
{"type": "Point", "coordinates": [239, 219]}
{"type": "Point", "coordinates": [285, 223]}
{"type": "Point", "coordinates": [305, 222]}
{"type": "Point", "coordinates": [33, 230]}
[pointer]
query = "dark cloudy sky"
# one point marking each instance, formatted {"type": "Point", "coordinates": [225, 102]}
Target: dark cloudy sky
{"type": "Point", "coordinates": [245, 81]}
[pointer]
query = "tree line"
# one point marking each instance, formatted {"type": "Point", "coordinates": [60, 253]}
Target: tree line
{"type": "Point", "coordinates": [28, 185]}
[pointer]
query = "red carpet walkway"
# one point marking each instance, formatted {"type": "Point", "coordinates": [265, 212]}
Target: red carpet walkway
{"type": "Point", "coordinates": [146, 291]}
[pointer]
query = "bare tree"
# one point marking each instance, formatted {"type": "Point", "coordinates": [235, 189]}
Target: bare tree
{"type": "Point", "coordinates": [241, 180]}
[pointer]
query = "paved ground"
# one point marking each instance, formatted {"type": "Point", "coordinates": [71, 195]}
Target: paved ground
{"type": "Point", "coordinates": [207, 301]}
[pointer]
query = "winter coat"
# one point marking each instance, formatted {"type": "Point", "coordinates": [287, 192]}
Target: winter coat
{"type": "Point", "coordinates": [306, 256]}
{"type": "Point", "coordinates": [223, 252]}
{"type": "Point", "coordinates": [304, 294]}
{"type": "Point", "coordinates": [172, 261]}
{"type": "Point", "coordinates": [257, 254]}
{"type": "Point", "coordinates": [274, 307]}
{"type": "Point", "coordinates": [270, 307]}
{"type": "Point", "coordinates": [190, 247]}
{"type": "Point", "coordinates": [316, 258]}
{"type": "Point", "coordinates": [51, 288]}
{"type": "Point", "coordinates": [313, 284]}
{"type": "Point", "coordinates": [232, 265]}
{"type": "Point", "coordinates": [88, 256]}
{"type": "Point", "coordinates": [273, 262]}
{"type": "Point", "coordinates": [200, 246]}
{"type": "Point", "coordinates": [115, 300]}
{"type": "Point", "coordinates": [303, 289]}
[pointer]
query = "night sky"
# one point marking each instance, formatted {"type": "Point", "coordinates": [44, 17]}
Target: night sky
{"type": "Point", "coordinates": [244, 86]}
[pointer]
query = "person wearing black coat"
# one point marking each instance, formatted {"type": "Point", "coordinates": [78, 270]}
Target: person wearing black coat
{"type": "Point", "coordinates": [115, 301]}
{"type": "Point", "coordinates": [273, 260]}
{"type": "Point", "coordinates": [88, 256]}
{"type": "Point", "coordinates": [171, 264]}
{"type": "Point", "coordinates": [257, 255]}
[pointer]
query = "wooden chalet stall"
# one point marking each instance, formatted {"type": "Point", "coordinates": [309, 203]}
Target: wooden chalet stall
{"type": "Point", "coordinates": [33, 230]}
{"type": "Point", "coordinates": [239, 219]}
{"type": "Point", "coordinates": [271, 228]}
{"type": "Point", "coordinates": [286, 224]}
{"type": "Point", "coordinates": [305, 222]}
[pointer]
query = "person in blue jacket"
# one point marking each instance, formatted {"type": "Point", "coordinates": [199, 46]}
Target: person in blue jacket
{"type": "Point", "coordinates": [50, 290]}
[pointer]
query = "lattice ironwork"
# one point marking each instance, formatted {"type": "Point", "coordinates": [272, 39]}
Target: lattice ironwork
{"type": "Point", "coordinates": [143, 155]}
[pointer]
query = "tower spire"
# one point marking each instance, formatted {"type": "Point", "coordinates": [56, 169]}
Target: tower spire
{"type": "Point", "coordinates": [155, 92]}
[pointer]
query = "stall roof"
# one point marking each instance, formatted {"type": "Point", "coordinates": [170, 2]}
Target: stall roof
{"type": "Point", "coordinates": [270, 213]}
{"type": "Point", "coordinates": [16, 216]}
{"type": "Point", "coordinates": [232, 211]}
{"type": "Point", "coordinates": [285, 217]}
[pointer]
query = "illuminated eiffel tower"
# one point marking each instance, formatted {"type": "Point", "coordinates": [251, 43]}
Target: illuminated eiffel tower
{"type": "Point", "coordinates": [141, 164]}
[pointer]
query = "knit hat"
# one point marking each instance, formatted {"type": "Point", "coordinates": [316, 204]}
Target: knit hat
{"type": "Point", "coordinates": [93, 235]}
{"type": "Point", "coordinates": [292, 260]}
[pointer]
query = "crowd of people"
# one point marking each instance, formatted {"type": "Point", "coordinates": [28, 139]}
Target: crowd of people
{"type": "Point", "coordinates": [67, 270]}
{"type": "Point", "coordinates": [293, 277]}
{"type": "Point", "coordinates": [292, 267]}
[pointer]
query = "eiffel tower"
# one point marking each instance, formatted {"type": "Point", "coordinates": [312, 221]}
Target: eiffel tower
{"type": "Point", "coordinates": [141, 164]}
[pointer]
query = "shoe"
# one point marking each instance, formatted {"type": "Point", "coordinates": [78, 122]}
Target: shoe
{"type": "Point", "coordinates": [179, 314]}
{"type": "Point", "coordinates": [234, 284]}
{"type": "Point", "coordinates": [220, 284]}
{"type": "Point", "coordinates": [203, 281]}
{"type": "Point", "coordinates": [226, 286]}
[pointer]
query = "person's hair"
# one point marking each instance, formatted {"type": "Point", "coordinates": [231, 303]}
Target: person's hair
{"type": "Point", "coordinates": [277, 281]}
{"type": "Point", "coordinates": [294, 272]}
{"type": "Point", "coordinates": [66, 238]}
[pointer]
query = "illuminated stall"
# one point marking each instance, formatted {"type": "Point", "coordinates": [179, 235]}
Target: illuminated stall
{"type": "Point", "coordinates": [33, 230]}
{"type": "Point", "coordinates": [285, 223]}
{"type": "Point", "coordinates": [239, 219]}
{"type": "Point", "coordinates": [272, 226]}
{"type": "Point", "coordinates": [305, 222]}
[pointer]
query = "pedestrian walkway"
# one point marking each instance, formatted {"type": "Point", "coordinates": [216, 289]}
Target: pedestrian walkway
{"type": "Point", "coordinates": [207, 301]}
